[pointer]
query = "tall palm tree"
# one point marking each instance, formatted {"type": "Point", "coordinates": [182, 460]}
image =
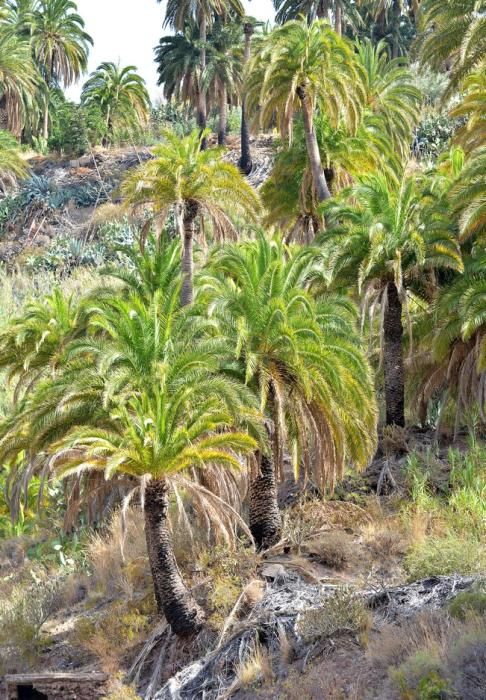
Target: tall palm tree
{"type": "Point", "coordinates": [140, 394]}
{"type": "Point", "coordinates": [202, 12]}
{"type": "Point", "coordinates": [341, 10]}
{"type": "Point", "coordinates": [178, 57]}
{"type": "Point", "coordinates": [18, 80]}
{"type": "Point", "coordinates": [194, 183]}
{"type": "Point", "coordinates": [472, 107]}
{"type": "Point", "coordinates": [59, 44]}
{"type": "Point", "coordinates": [301, 67]}
{"type": "Point", "coordinates": [120, 93]}
{"type": "Point", "coordinates": [245, 163]}
{"type": "Point", "coordinates": [223, 74]}
{"type": "Point", "coordinates": [468, 197]}
{"type": "Point", "coordinates": [378, 239]}
{"type": "Point", "coordinates": [12, 165]}
{"type": "Point", "coordinates": [302, 360]}
{"type": "Point", "coordinates": [453, 32]}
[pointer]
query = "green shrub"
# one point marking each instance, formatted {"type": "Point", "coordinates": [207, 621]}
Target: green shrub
{"type": "Point", "coordinates": [467, 603]}
{"type": "Point", "coordinates": [342, 611]}
{"type": "Point", "coordinates": [437, 556]}
{"type": "Point", "coordinates": [420, 677]}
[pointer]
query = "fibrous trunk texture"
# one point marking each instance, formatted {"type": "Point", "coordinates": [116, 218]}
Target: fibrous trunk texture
{"type": "Point", "coordinates": [264, 516]}
{"type": "Point", "coordinates": [174, 600]}
{"type": "Point", "coordinates": [318, 176]}
{"type": "Point", "coordinates": [245, 163]}
{"type": "Point", "coordinates": [393, 357]}
{"type": "Point", "coordinates": [190, 214]}
{"type": "Point", "coordinates": [223, 115]}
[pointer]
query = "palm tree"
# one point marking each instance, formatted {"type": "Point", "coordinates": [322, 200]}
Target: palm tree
{"type": "Point", "coordinates": [194, 183]}
{"type": "Point", "coordinates": [18, 81]}
{"type": "Point", "coordinates": [223, 74]}
{"type": "Point", "coordinates": [59, 44]}
{"type": "Point", "coordinates": [342, 10]}
{"type": "Point", "coordinates": [245, 163]}
{"type": "Point", "coordinates": [304, 67]}
{"type": "Point", "coordinates": [202, 12]}
{"type": "Point", "coordinates": [392, 97]}
{"type": "Point", "coordinates": [140, 394]}
{"type": "Point", "coordinates": [472, 135]}
{"type": "Point", "coordinates": [12, 165]}
{"type": "Point", "coordinates": [302, 360]}
{"type": "Point", "coordinates": [378, 238]}
{"type": "Point", "coordinates": [120, 93]}
{"type": "Point", "coordinates": [177, 57]}
{"type": "Point", "coordinates": [468, 197]}
{"type": "Point", "coordinates": [454, 33]}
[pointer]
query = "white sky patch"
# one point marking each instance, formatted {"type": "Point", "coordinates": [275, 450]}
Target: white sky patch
{"type": "Point", "coordinates": [126, 31]}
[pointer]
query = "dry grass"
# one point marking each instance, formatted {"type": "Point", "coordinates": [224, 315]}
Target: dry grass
{"type": "Point", "coordinates": [257, 668]}
{"type": "Point", "coordinates": [342, 611]}
{"type": "Point", "coordinates": [332, 550]}
{"type": "Point", "coordinates": [118, 557]}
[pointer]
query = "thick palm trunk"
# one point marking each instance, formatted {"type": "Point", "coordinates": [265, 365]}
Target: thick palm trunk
{"type": "Point", "coordinates": [245, 163]}
{"type": "Point", "coordinates": [223, 116]}
{"type": "Point", "coordinates": [202, 101]}
{"type": "Point", "coordinates": [393, 358]}
{"type": "Point", "coordinates": [318, 176]}
{"type": "Point", "coordinates": [338, 18]}
{"type": "Point", "coordinates": [190, 213]}
{"type": "Point", "coordinates": [264, 516]}
{"type": "Point", "coordinates": [173, 598]}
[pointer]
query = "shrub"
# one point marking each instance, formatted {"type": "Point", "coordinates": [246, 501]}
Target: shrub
{"type": "Point", "coordinates": [22, 615]}
{"type": "Point", "coordinates": [420, 677]}
{"type": "Point", "coordinates": [466, 661]}
{"type": "Point", "coordinates": [439, 556]}
{"type": "Point", "coordinates": [467, 603]}
{"type": "Point", "coordinates": [342, 611]}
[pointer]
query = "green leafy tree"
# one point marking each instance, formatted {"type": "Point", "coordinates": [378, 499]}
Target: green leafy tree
{"type": "Point", "coordinates": [301, 358]}
{"type": "Point", "coordinates": [194, 183]}
{"type": "Point", "coordinates": [379, 240]}
{"type": "Point", "coordinates": [302, 67]}
{"type": "Point", "coordinates": [59, 45]}
{"type": "Point", "coordinates": [121, 95]}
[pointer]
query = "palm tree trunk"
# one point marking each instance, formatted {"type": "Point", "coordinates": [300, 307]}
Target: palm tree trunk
{"type": "Point", "coordinates": [187, 292]}
{"type": "Point", "coordinates": [264, 514]}
{"type": "Point", "coordinates": [45, 128]}
{"type": "Point", "coordinates": [202, 101]}
{"type": "Point", "coordinates": [393, 357]}
{"type": "Point", "coordinates": [223, 115]}
{"type": "Point", "coordinates": [245, 163]}
{"type": "Point", "coordinates": [173, 598]}
{"type": "Point", "coordinates": [318, 176]}
{"type": "Point", "coordinates": [338, 18]}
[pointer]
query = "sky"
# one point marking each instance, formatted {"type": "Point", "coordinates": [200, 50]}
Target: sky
{"type": "Point", "coordinates": [126, 31]}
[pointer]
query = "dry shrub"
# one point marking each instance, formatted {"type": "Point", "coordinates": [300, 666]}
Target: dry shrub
{"type": "Point", "coordinates": [395, 643]}
{"type": "Point", "coordinates": [119, 691]}
{"type": "Point", "coordinates": [118, 557]}
{"type": "Point", "coordinates": [256, 668]}
{"type": "Point", "coordinates": [394, 440]}
{"type": "Point", "coordinates": [302, 522]}
{"type": "Point", "coordinates": [431, 654]}
{"type": "Point", "coordinates": [108, 212]}
{"type": "Point", "coordinates": [109, 637]}
{"type": "Point", "coordinates": [385, 539]}
{"type": "Point", "coordinates": [342, 611]}
{"type": "Point", "coordinates": [332, 550]}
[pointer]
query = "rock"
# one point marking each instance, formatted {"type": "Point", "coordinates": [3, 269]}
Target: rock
{"type": "Point", "coordinates": [276, 613]}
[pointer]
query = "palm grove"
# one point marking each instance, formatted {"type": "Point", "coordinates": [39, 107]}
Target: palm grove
{"type": "Point", "coordinates": [250, 330]}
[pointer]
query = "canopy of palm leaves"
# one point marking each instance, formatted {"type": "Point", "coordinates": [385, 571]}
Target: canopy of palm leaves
{"type": "Point", "coordinates": [472, 134]}
{"type": "Point", "coordinates": [300, 356]}
{"type": "Point", "coordinates": [377, 234]}
{"type": "Point", "coordinates": [12, 165]}
{"type": "Point", "coordinates": [298, 56]}
{"type": "Point", "coordinates": [59, 41]}
{"type": "Point", "coordinates": [18, 79]}
{"type": "Point", "coordinates": [179, 11]}
{"type": "Point", "coordinates": [120, 93]}
{"type": "Point", "coordinates": [468, 196]}
{"type": "Point", "coordinates": [181, 173]}
{"type": "Point", "coordinates": [454, 31]}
